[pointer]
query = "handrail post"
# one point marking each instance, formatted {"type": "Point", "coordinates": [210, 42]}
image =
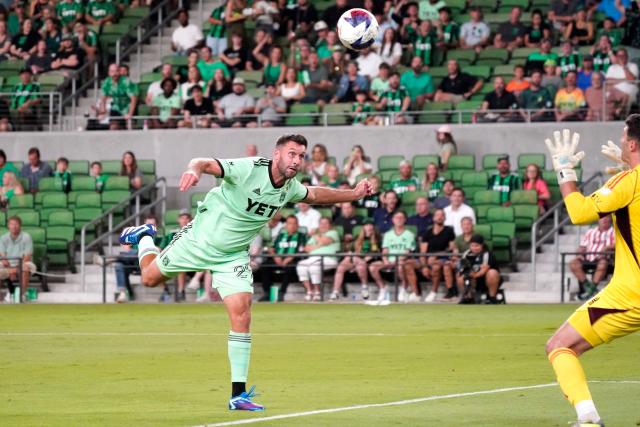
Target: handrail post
{"type": "Point", "coordinates": [110, 228]}
{"type": "Point", "coordinates": [73, 101]}
{"type": "Point", "coordinates": [534, 244]}
{"type": "Point", "coordinates": [118, 51]}
{"type": "Point", "coordinates": [562, 277]}
{"type": "Point", "coordinates": [104, 279]}
{"type": "Point", "coordinates": [138, 209]}
{"type": "Point", "coordinates": [82, 259]}
{"type": "Point", "coordinates": [556, 237]}
{"type": "Point", "coordinates": [96, 73]}
{"type": "Point", "coordinates": [60, 125]}
{"type": "Point", "coordinates": [139, 50]}
{"type": "Point", "coordinates": [50, 111]}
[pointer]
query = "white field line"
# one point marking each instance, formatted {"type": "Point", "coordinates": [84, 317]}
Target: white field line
{"type": "Point", "coordinates": [399, 403]}
{"type": "Point", "coordinates": [292, 334]}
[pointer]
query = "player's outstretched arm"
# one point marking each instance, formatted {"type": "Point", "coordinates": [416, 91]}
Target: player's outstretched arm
{"type": "Point", "coordinates": [196, 168]}
{"type": "Point", "coordinates": [324, 195]}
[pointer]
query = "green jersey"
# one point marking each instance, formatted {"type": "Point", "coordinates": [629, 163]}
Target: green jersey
{"type": "Point", "coordinates": [435, 189]}
{"type": "Point", "coordinates": [569, 63]}
{"type": "Point", "coordinates": [165, 105]}
{"type": "Point", "coordinates": [120, 93]}
{"type": "Point", "coordinates": [450, 33]}
{"type": "Point", "coordinates": [329, 249]}
{"type": "Point", "coordinates": [601, 61]}
{"type": "Point", "coordinates": [8, 167]}
{"type": "Point", "coordinates": [422, 84]}
{"type": "Point", "coordinates": [505, 185]}
{"type": "Point", "coordinates": [101, 181]}
{"type": "Point", "coordinates": [65, 177]}
{"type": "Point", "coordinates": [22, 93]}
{"type": "Point", "coordinates": [403, 185]}
{"type": "Point", "coordinates": [100, 10]}
{"type": "Point", "coordinates": [423, 46]}
{"type": "Point", "coordinates": [208, 69]}
{"type": "Point", "coordinates": [395, 98]}
{"type": "Point", "coordinates": [402, 243]}
{"type": "Point", "coordinates": [218, 30]}
{"type": "Point", "coordinates": [286, 243]}
{"type": "Point", "coordinates": [69, 12]}
{"type": "Point", "coordinates": [361, 116]}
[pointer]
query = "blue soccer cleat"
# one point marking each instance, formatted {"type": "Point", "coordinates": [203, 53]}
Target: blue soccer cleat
{"type": "Point", "coordinates": [132, 235]}
{"type": "Point", "coordinates": [243, 402]}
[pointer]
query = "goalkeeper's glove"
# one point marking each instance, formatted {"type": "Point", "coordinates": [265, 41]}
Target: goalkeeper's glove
{"type": "Point", "coordinates": [612, 152]}
{"type": "Point", "coordinates": [563, 155]}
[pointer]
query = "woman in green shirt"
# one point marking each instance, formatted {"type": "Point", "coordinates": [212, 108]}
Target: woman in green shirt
{"type": "Point", "coordinates": [432, 182]}
{"type": "Point", "coordinates": [325, 241]}
{"type": "Point", "coordinates": [274, 67]}
{"type": "Point", "coordinates": [10, 187]}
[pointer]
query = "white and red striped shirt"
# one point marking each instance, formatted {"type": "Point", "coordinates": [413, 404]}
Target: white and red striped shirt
{"type": "Point", "coordinates": [595, 240]}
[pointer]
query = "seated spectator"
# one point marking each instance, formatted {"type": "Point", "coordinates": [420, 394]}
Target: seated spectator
{"type": "Point", "coordinates": [373, 200]}
{"type": "Point", "coordinates": [585, 73]}
{"type": "Point", "coordinates": [6, 166]}
{"type": "Point", "coordinates": [129, 168]}
{"type": "Point", "coordinates": [550, 79]}
{"type": "Point", "coordinates": [518, 84]}
{"type": "Point", "coordinates": [356, 165]}
{"type": "Point", "coordinates": [24, 44]}
{"type": "Point", "coordinates": [368, 63]}
{"type": "Point", "coordinates": [272, 229]}
{"type": "Point", "coordinates": [611, 104]}
{"type": "Point", "coordinates": [457, 210]}
{"type": "Point", "coordinates": [439, 238]}
{"type": "Point", "coordinates": [475, 33]}
{"type": "Point", "coordinates": [418, 83]}
{"type": "Point", "coordinates": [301, 18]}
{"type": "Point", "coordinates": [406, 181]}
{"type": "Point", "coordinates": [273, 66]}
{"type": "Point", "coordinates": [100, 13]}
{"type": "Point", "coordinates": [16, 19]}
{"type": "Point", "coordinates": [396, 100]}
{"type": "Point", "coordinates": [579, 31]}
{"type": "Point", "coordinates": [155, 88]}
{"type": "Point", "coordinates": [87, 41]}
{"type": "Point", "coordinates": [390, 50]}
{"type": "Point", "coordinates": [432, 182]}
{"type": "Point", "coordinates": [495, 103]}
{"type": "Point", "coordinates": [457, 86]}
{"type": "Point", "coordinates": [16, 245]}
{"type": "Point", "coordinates": [207, 65]}
{"type": "Point", "coordinates": [187, 36]}
{"type": "Point", "coordinates": [63, 173]}
{"type": "Point", "coordinates": [609, 29]}
{"type": "Point", "coordinates": [397, 240]}
{"type": "Point", "coordinates": [217, 35]}
{"type": "Point", "coordinates": [603, 54]}
{"type": "Point", "coordinates": [622, 76]}
{"type": "Point", "coordinates": [332, 13]}
{"type": "Point", "coordinates": [325, 241]}
{"type": "Point", "coordinates": [347, 219]}
{"type": "Point", "coordinates": [538, 60]}
{"type": "Point", "coordinates": [447, 30]}
{"type": "Point", "coordinates": [533, 181]}
{"type": "Point", "coordinates": [424, 43]}
{"type": "Point", "coordinates": [537, 100]}
{"type": "Point", "coordinates": [350, 83]}
{"type": "Point", "coordinates": [562, 12]}
{"type": "Point", "coordinates": [537, 31]}
{"type": "Point", "coordinates": [68, 58]}
{"type": "Point", "coordinates": [69, 13]}
{"type": "Point", "coordinates": [510, 34]}
{"type": "Point", "coordinates": [101, 178]}
{"type": "Point", "coordinates": [262, 42]}
{"type": "Point", "coordinates": [316, 168]}
{"type": "Point", "coordinates": [197, 111]}
{"type": "Point", "coordinates": [51, 35]}
{"type": "Point", "coordinates": [290, 240]}
{"type": "Point", "coordinates": [595, 242]}
{"type": "Point", "coordinates": [11, 186]}
{"type": "Point", "coordinates": [569, 101]}
{"type": "Point", "coordinates": [422, 218]}
{"type": "Point", "coordinates": [40, 61]}
{"type": "Point", "coordinates": [380, 84]}
{"type": "Point", "coordinates": [383, 215]}
{"type": "Point", "coordinates": [5, 42]}
{"type": "Point", "coordinates": [324, 42]}
{"type": "Point", "coordinates": [482, 276]}
{"type": "Point", "coordinates": [315, 77]}
{"type": "Point", "coordinates": [193, 80]}
{"type": "Point", "coordinates": [235, 56]}
{"type": "Point", "coordinates": [231, 108]}
{"type": "Point", "coordinates": [182, 72]}
{"type": "Point", "coordinates": [504, 181]}
{"type": "Point", "coordinates": [218, 86]}
{"type": "Point", "coordinates": [35, 169]}
{"type": "Point", "coordinates": [291, 89]}
{"type": "Point", "coordinates": [361, 110]}
{"type": "Point", "coordinates": [569, 60]}
{"type": "Point", "coordinates": [337, 64]}
{"type": "Point", "coordinates": [462, 240]}
{"type": "Point", "coordinates": [25, 100]}
{"type": "Point", "coordinates": [270, 107]}
{"type": "Point", "coordinates": [332, 177]}
{"type": "Point", "coordinates": [308, 218]}
{"type": "Point", "coordinates": [366, 244]}
{"type": "Point", "coordinates": [166, 106]}
{"type": "Point", "coordinates": [119, 95]}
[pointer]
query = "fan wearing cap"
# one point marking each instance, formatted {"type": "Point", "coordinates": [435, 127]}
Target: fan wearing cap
{"type": "Point", "coordinates": [504, 181]}
{"type": "Point", "coordinates": [447, 144]}
{"type": "Point", "coordinates": [406, 181]}
{"type": "Point", "coordinates": [536, 60]}
{"type": "Point", "coordinates": [25, 98]}
{"type": "Point", "coordinates": [484, 273]}
{"type": "Point", "coordinates": [234, 106]}
{"type": "Point", "coordinates": [68, 57]}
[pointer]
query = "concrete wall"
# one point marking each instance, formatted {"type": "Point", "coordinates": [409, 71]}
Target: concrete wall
{"type": "Point", "coordinates": [172, 149]}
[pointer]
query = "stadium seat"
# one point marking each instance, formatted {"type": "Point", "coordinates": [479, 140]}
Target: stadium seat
{"type": "Point", "coordinates": [507, 5]}
{"type": "Point", "coordinates": [480, 71]}
{"type": "Point", "coordinates": [525, 216]}
{"type": "Point", "coordinates": [459, 164]}
{"type": "Point", "coordinates": [503, 228]}
{"type": "Point", "coordinates": [61, 245]}
{"type": "Point", "coordinates": [408, 198]}
{"type": "Point", "coordinates": [489, 162]}
{"type": "Point", "coordinates": [457, 6]}
{"type": "Point", "coordinates": [438, 72]}
{"type": "Point", "coordinates": [176, 60]}
{"type": "Point", "coordinates": [23, 201]}
{"type": "Point", "coordinates": [52, 202]}
{"type": "Point", "coordinates": [492, 57]}
{"type": "Point", "coordinates": [464, 57]}
{"type": "Point", "coordinates": [524, 197]}
{"type": "Point", "coordinates": [29, 218]}
{"type": "Point", "coordinates": [117, 183]}
{"type": "Point", "coordinates": [337, 113]}
{"type": "Point", "coordinates": [487, 6]}
{"type": "Point", "coordinates": [170, 220]}
{"type": "Point", "coordinates": [504, 71]}
{"type": "Point", "coordinates": [147, 166]}
{"type": "Point", "coordinates": [250, 76]}
{"type": "Point", "coordinates": [528, 158]}
{"type": "Point", "coordinates": [483, 200]}
{"type": "Point", "coordinates": [88, 207]}
{"type": "Point", "coordinates": [389, 162]}
{"type": "Point", "coordinates": [197, 197]}
{"type": "Point", "coordinates": [466, 110]}
{"type": "Point", "coordinates": [325, 212]}
{"type": "Point", "coordinates": [485, 231]}
{"type": "Point", "coordinates": [79, 167]}
{"type": "Point", "coordinates": [305, 115]}
{"type": "Point", "coordinates": [522, 52]}
{"type": "Point", "coordinates": [435, 112]}
{"type": "Point", "coordinates": [150, 77]}
{"type": "Point", "coordinates": [472, 182]}
{"type": "Point", "coordinates": [111, 167]}
{"type": "Point", "coordinates": [39, 257]}
{"type": "Point", "coordinates": [421, 161]}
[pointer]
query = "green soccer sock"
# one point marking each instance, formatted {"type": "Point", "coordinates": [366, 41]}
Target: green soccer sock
{"type": "Point", "coordinates": [239, 355]}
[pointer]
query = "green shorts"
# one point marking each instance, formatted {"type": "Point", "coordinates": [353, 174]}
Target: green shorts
{"type": "Point", "coordinates": [231, 272]}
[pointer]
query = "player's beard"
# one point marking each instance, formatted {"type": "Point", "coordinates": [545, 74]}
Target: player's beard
{"type": "Point", "coordinates": [288, 171]}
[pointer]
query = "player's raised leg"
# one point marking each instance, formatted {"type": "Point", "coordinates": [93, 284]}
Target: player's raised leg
{"type": "Point", "coordinates": [147, 252]}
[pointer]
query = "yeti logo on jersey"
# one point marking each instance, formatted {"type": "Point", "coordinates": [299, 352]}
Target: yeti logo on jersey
{"type": "Point", "coordinates": [241, 270]}
{"type": "Point", "coordinates": [262, 209]}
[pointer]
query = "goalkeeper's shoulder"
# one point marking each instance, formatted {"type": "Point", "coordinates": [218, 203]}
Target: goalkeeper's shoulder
{"type": "Point", "coordinates": [627, 180]}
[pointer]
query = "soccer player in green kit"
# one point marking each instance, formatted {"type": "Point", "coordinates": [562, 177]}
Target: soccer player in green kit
{"type": "Point", "coordinates": [231, 215]}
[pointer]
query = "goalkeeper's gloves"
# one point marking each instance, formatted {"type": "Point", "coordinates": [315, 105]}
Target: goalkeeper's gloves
{"type": "Point", "coordinates": [612, 152]}
{"type": "Point", "coordinates": [563, 155]}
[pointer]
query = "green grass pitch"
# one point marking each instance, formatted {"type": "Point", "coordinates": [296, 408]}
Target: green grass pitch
{"type": "Point", "coordinates": [166, 365]}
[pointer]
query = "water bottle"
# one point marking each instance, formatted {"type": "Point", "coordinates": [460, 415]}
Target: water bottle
{"type": "Point", "coordinates": [145, 125]}
{"type": "Point", "coordinates": [16, 295]}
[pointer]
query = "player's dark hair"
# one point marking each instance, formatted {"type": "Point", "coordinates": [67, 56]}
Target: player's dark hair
{"type": "Point", "coordinates": [633, 127]}
{"type": "Point", "coordinates": [297, 138]}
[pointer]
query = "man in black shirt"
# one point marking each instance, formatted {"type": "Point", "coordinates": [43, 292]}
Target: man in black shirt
{"type": "Point", "coordinates": [499, 100]}
{"type": "Point", "coordinates": [68, 57]}
{"type": "Point", "coordinates": [198, 106]}
{"type": "Point", "coordinates": [40, 62]}
{"type": "Point", "coordinates": [457, 86]}
{"type": "Point", "coordinates": [479, 268]}
{"type": "Point", "coordinates": [510, 34]}
{"type": "Point", "coordinates": [347, 220]}
{"type": "Point", "coordinates": [422, 219]}
{"type": "Point", "coordinates": [236, 55]}
{"type": "Point", "coordinates": [302, 17]}
{"type": "Point", "coordinates": [333, 13]}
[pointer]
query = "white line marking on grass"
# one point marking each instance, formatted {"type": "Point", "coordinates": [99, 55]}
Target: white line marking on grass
{"type": "Point", "coordinates": [292, 334]}
{"type": "Point", "coordinates": [402, 402]}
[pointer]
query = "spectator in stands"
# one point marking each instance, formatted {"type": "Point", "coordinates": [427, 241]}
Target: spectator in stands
{"type": "Point", "coordinates": [235, 56]}
{"type": "Point", "coordinates": [217, 35]}
{"type": "Point", "coordinates": [585, 73]}
{"type": "Point", "coordinates": [166, 106]}
{"type": "Point", "coordinates": [368, 241]}
{"type": "Point", "coordinates": [218, 86]}
{"type": "Point", "coordinates": [457, 86]}
{"type": "Point", "coordinates": [316, 168]}
{"type": "Point", "coordinates": [299, 55]}
{"type": "Point", "coordinates": [475, 33]}
{"type": "Point", "coordinates": [291, 89]}
{"type": "Point", "coordinates": [270, 107]}
{"type": "Point", "coordinates": [380, 84]}
{"type": "Point", "coordinates": [593, 247]}
{"type": "Point", "coordinates": [24, 44]}
{"type": "Point", "coordinates": [308, 218]}
{"type": "Point", "coordinates": [334, 12]}
{"type": "Point", "coordinates": [11, 186]}
{"type": "Point", "coordinates": [337, 64]}
{"type": "Point", "coordinates": [538, 60]}
{"type": "Point", "coordinates": [447, 30]}
{"type": "Point", "coordinates": [390, 50]}
{"type": "Point", "coordinates": [432, 183]}
{"type": "Point", "coordinates": [40, 62]}
{"type": "Point", "coordinates": [462, 240]}
{"type": "Point", "coordinates": [418, 83]}
{"type": "Point", "coordinates": [100, 13]}
{"type": "Point", "coordinates": [603, 54]}
{"type": "Point", "coordinates": [120, 95]}
{"type": "Point", "coordinates": [155, 88]}
{"type": "Point", "coordinates": [63, 173]}
{"type": "Point", "coordinates": [193, 80]}
{"type": "Point", "coordinates": [504, 181]}
{"type": "Point", "coordinates": [361, 110]}
{"type": "Point", "coordinates": [424, 42]}
{"type": "Point", "coordinates": [396, 100]}
{"type": "Point", "coordinates": [273, 227]}
{"type": "Point", "coordinates": [87, 41]}
{"type": "Point", "coordinates": [233, 106]}
{"type": "Point", "coordinates": [368, 63]}
{"type": "Point", "coordinates": [382, 216]}
{"type": "Point", "coordinates": [235, 16]}
{"type": "Point", "coordinates": [69, 13]}
{"type": "Point", "coordinates": [579, 31]}
{"type": "Point", "coordinates": [519, 83]}
{"type": "Point", "coordinates": [16, 245]}
{"type": "Point", "coordinates": [533, 181]}
{"type": "Point", "coordinates": [183, 70]}
{"type": "Point", "coordinates": [51, 35]}
{"type": "Point", "coordinates": [510, 34]}
{"type": "Point", "coordinates": [422, 218]}
{"type": "Point", "coordinates": [397, 240]}
{"type": "Point", "coordinates": [569, 100]}
{"type": "Point", "coordinates": [129, 168]}
{"type": "Point", "coordinates": [356, 165]}
{"type": "Point", "coordinates": [332, 177]}
{"type": "Point", "coordinates": [597, 98]}
{"type": "Point", "coordinates": [569, 60]}
{"type": "Point", "coordinates": [301, 19]}
{"type": "Point", "coordinates": [324, 241]}
{"type": "Point", "coordinates": [448, 148]}
{"type": "Point", "coordinates": [197, 110]}
{"type": "Point", "coordinates": [101, 178]}
{"type": "Point", "coordinates": [537, 100]}
{"type": "Point", "coordinates": [323, 40]}
{"type": "Point", "coordinates": [610, 29]}
{"type": "Point", "coordinates": [406, 180]}
{"type": "Point", "coordinates": [457, 210]}
{"type": "Point", "coordinates": [499, 105]}
{"type": "Point", "coordinates": [5, 42]}
{"type": "Point", "coordinates": [262, 43]}
{"type": "Point", "coordinates": [551, 80]}
{"type": "Point", "coordinates": [484, 273]}
{"type": "Point", "coordinates": [35, 169]}
{"type": "Point", "coordinates": [537, 31]}
{"type": "Point", "coordinates": [68, 58]}
{"type": "Point", "coordinates": [187, 36]}
{"type": "Point", "coordinates": [350, 83]}
{"type": "Point", "coordinates": [207, 65]}
{"type": "Point", "coordinates": [562, 12]}
{"type": "Point", "coordinates": [25, 100]}
{"type": "Point", "coordinates": [372, 201]}
{"type": "Point", "coordinates": [347, 219]}
{"type": "Point", "coordinates": [273, 66]}
{"type": "Point", "coordinates": [6, 166]}
{"type": "Point", "coordinates": [622, 76]}
{"type": "Point", "coordinates": [318, 87]}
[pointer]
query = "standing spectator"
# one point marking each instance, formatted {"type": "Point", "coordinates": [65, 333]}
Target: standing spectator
{"type": "Point", "coordinates": [193, 80]}
{"type": "Point", "coordinates": [499, 105]}
{"type": "Point", "coordinates": [217, 36]}
{"type": "Point", "coordinates": [5, 42]}
{"type": "Point", "coordinates": [462, 240]}
{"type": "Point", "coordinates": [537, 100]}
{"type": "Point", "coordinates": [291, 89]}
{"type": "Point", "coordinates": [100, 13]}
{"type": "Point", "coordinates": [562, 12]}
{"type": "Point", "coordinates": [457, 86]}
{"type": "Point", "coordinates": [533, 181]}
{"type": "Point", "coordinates": [609, 29]}
{"type": "Point", "coordinates": [518, 84]}
{"type": "Point", "coordinates": [315, 77]}
{"type": "Point", "coordinates": [69, 12]}
{"type": "Point", "coordinates": [418, 83]}
{"type": "Point", "coordinates": [457, 210]}
{"type": "Point", "coordinates": [16, 244]}
{"type": "Point", "coordinates": [422, 218]}
{"type": "Point", "coordinates": [569, 101]}
{"type": "Point", "coordinates": [301, 18]}
{"type": "Point", "coordinates": [475, 33]}
{"type": "Point", "coordinates": [129, 168]}
{"type": "Point", "coordinates": [504, 181]}
{"type": "Point", "coordinates": [40, 62]}
{"type": "Point", "coordinates": [382, 216]}
{"type": "Point", "coordinates": [356, 165]}
{"type": "Point", "coordinates": [396, 100]}
{"type": "Point", "coordinates": [273, 66]}
{"type": "Point", "coordinates": [424, 43]}
{"type": "Point", "coordinates": [373, 200]}
{"type": "Point", "coordinates": [406, 180]}
{"type": "Point", "coordinates": [166, 106]}
{"type": "Point", "coordinates": [218, 86]}
{"type": "Point", "coordinates": [594, 242]}
{"type": "Point", "coordinates": [380, 84]}
{"type": "Point", "coordinates": [585, 73]}
{"type": "Point", "coordinates": [155, 88]}
{"type": "Point", "coordinates": [25, 99]}
{"type": "Point", "coordinates": [11, 186]}
{"type": "Point", "coordinates": [622, 76]}
{"type": "Point", "coordinates": [432, 183]}
{"type": "Point", "coordinates": [447, 30]}
{"type": "Point", "coordinates": [197, 110]}
{"type": "Point", "coordinates": [207, 65]}
{"type": "Point", "coordinates": [51, 35]}
{"type": "Point", "coordinates": [316, 168]}
{"type": "Point", "coordinates": [538, 60]}
{"type": "Point", "coordinates": [6, 166]}
{"type": "Point", "coordinates": [325, 241]}
{"type": "Point", "coordinates": [87, 41]}
{"type": "Point", "coordinates": [448, 148]}
{"type": "Point", "coordinates": [119, 93]}
{"type": "Point", "coordinates": [350, 83]}
{"type": "Point", "coordinates": [235, 56]}
{"type": "Point", "coordinates": [35, 169]}
{"type": "Point", "coordinates": [308, 218]}
{"type": "Point", "coordinates": [101, 178]}
{"type": "Point", "coordinates": [597, 98]}
{"type": "Point", "coordinates": [68, 58]}
{"type": "Point", "coordinates": [270, 107]}
{"type": "Point", "coordinates": [63, 174]}
{"type": "Point", "coordinates": [579, 31]}
{"type": "Point", "coordinates": [233, 107]}
{"type": "Point", "coordinates": [187, 36]}
{"type": "Point", "coordinates": [368, 63]}
{"type": "Point", "coordinates": [443, 199]}
{"type": "Point", "coordinates": [24, 44]}
{"type": "Point", "coordinates": [568, 60]}
{"type": "Point", "coordinates": [235, 16]}
{"type": "Point", "coordinates": [537, 31]}
{"type": "Point", "coordinates": [334, 12]}
{"type": "Point", "coordinates": [603, 54]}
{"type": "Point", "coordinates": [390, 50]}
{"type": "Point", "coordinates": [510, 34]}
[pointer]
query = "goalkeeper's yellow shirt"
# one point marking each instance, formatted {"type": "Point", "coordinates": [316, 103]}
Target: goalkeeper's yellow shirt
{"type": "Point", "coordinates": [620, 196]}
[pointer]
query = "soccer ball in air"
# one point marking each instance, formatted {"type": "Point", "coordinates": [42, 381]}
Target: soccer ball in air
{"type": "Point", "coordinates": [357, 28]}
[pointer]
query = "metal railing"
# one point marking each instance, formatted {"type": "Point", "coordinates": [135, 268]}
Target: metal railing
{"type": "Point", "coordinates": [563, 274]}
{"type": "Point", "coordinates": [555, 211]}
{"type": "Point", "coordinates": [78, 83]}
{"type": "Point", "coordinates": [47, 112]}
{"type": "Point", "coordinates": [111, 228]}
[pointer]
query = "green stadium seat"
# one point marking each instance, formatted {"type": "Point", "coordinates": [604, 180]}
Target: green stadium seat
{"type": "Point", "coordinates": [176, 60]}
{"type": "Point", "coordinates": [483, 200]}
{"type": "Point", "coordinates": [472, 182]}
{"type": "Point", "coordinates": [438, 72]}
{"type": "Point", "coordinates": [504, 71]}
{"type": "Point", "coordinates": [305, 115]}
{"type": "Point", "coordinates": [197, 197]}
{"type": "Point", "coordinates": [88, 206]}
{"type": "Point", "coordinates": [138, 12]}
{"type": "Point", "coordinates": [111, 167]}
{"type": "Point", "coordinates": [500, 214]}
{"type": "Point", "coordinates": [61, 246]}
{"type": "Point", "coordinates": [23, 201]}
{"type": "Point", "coordinates": [462, 162]}
{"type": "Point", "coordinates": [112, 198]}
{"type": "Point", "coordinates": [484, 230]}
{"type": "Point", "coordinates": [523, 52]}
{"type": "Point", "coordinates": [421, 161]}
{"type": "Point", "coordinates": [466, 110]}
{"type": "Point", "coordinates": [464, 57]}
{"type": "Point", "coordinates": [489, 161]}
{"type": "Point", "coordinates": [171, 219]}
{"type": "Point", "coordinates": [492, 57]}
{"type": "Point", "coordinates": [535, 158]}
{"type": "Point", "coordinates": [50, 184]}
{"type": "Point", "coordinates": [524, 197]}
{"type": "Point", "coordinates": [507, 5]}
{"type": "Point", "coordinates": [325, 212]}
{"type": "Point", "coordinates": [52, 202]}
{"type": "Point", "coordinates": [503, 226]}
{"type": "Point", "coordinates": [89, 200]}
{"type": "Point", "coordinates": [487, 6]}
{"type": "Point", "coordinates": [250, 76]}
{"type": "Point", "coordinates": [480, 71]}
{"type": "Point", "coordinates": [79, 167]}
{"type": "Point", "coordinates": [337, 113]}
{"type": "Point", "coordinates": [457, 6]}
{"type": "Point", "coordinates": [83, 183]}
{"type": "Point", "coordinates": [387, 175]}
{"type": "Point", "coordinates": [389, 162]}
{"type": "Point", "coordinates": [60, 217]}
{"type": "Point", "coordinates": [117, 183]}
{"type": "Point", "coordinates": [148, 167]}
{"type": "Point", "coordinates": [435, 112]}
{"type": "Point", "coordinates": [408, 198]}
{"type": "Point", "coordinates": [29, 218]}
{"type": "Point", "coordinates": [150, 77]}
{"type": "Point", "coordinates": [525, 216]}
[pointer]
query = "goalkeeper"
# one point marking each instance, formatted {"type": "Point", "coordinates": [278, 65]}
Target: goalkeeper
{"type": "Point", "coordinates": [615, 311]}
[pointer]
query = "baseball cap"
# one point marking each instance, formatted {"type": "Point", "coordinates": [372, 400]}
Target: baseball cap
{"type": "Point", "coordinates": [550, 62]}
{"type": "Point", "coordinates": [238, 81]}
{"type": "Point", "coordinates": [587, 58]}
{"type": "Point", "coordinates": [444, 129]}
{"type": "Point", "coordinates": [320, 25]}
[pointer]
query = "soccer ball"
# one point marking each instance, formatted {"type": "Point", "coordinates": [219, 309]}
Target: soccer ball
{"type": "Point", "coordinates": [357, 28]}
